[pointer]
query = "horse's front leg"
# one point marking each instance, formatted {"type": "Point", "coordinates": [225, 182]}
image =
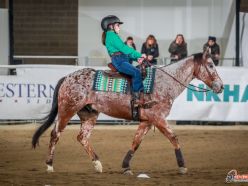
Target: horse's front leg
{"type": "Point", "coordinates": [165, 129]}
{"type": "Point", "coordinates": [83, 138]}
{"type": "Point", "coordinates": [142, 130]}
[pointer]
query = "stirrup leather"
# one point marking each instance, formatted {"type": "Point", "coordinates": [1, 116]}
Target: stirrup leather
{"type": "Point", "coordinates": [135, 110]}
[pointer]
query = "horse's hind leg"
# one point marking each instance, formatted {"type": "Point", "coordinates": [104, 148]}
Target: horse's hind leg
{"type": "Point", "coordinates": [54, 138]}
{"type": "Point", "coordinates": [142, 130]}
{"type": "Point", "coordinates": [164, 128]}
{"type": "Point", "coordinates": [88, 120]}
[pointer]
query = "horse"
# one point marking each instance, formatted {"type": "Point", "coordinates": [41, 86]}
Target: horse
{"type": "Point", "coordinates": [73, 94]}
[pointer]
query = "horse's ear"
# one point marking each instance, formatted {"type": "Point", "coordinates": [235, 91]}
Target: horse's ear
{"type": "Point", "coordinates": [205, 54]}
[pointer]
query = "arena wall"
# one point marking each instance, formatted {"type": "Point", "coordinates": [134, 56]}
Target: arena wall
{"type": "Point", "coordinates": [44, 27]}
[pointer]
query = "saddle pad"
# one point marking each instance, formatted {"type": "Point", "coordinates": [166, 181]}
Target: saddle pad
{"type": "Point", "coordinates": [105, 83]}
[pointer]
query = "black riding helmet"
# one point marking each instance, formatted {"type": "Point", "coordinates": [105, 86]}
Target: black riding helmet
{"type": "Point", "coordinates": [111, 19]}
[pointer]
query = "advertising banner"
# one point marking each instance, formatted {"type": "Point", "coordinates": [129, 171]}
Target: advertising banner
{"type": "Point", "coordinates": [230, 105]}
{"type": "Point", "coordinates": [28, 95]}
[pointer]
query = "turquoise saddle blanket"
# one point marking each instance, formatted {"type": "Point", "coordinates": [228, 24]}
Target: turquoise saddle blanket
{"type": "Point", "coordinates": [106, 83]}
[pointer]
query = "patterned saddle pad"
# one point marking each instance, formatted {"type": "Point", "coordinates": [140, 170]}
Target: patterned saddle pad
{"type": "Point", "coordinates": [106, 83]}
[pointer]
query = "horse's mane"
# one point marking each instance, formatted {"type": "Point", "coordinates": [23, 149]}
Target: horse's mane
{"type": "Point", "coordinates": [197, 57]}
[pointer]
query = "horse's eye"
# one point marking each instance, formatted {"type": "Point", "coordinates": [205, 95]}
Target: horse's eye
{"type": "Point", "coordinates": [211, 66]}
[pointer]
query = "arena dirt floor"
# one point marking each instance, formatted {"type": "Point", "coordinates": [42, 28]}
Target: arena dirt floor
{"type": "Point", "coordinates": [210, 153]}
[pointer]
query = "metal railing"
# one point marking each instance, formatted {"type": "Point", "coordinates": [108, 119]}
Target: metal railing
{"type": "Point", "coordinates": [103, 61]}
{"type": "Point", "coordinates": [23, 57]}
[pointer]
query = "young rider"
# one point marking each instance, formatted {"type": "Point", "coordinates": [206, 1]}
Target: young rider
{"type": "Point", "coordinates": [120, 55]}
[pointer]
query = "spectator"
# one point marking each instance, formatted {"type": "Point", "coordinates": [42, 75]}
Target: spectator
{"type": "Point", "coordinates": [129, 42]}
{"type": "Point", "coordinates": [178, 48]}
{"type": "Point", "coordinates": [213, 49]}
{"type": "Point", "coordinates": [150, 48]}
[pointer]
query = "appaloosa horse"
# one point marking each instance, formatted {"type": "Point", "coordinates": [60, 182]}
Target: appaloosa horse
{"type": "Point", "coordinates": [74, 95]}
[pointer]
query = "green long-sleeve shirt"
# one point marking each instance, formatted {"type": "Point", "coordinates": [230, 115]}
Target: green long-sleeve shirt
{"type": "Point", "coordinates": [114, 44]}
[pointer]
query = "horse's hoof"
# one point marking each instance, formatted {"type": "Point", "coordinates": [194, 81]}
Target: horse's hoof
{"type": "Point", "coordinates": [182, 170]}
{"type": "Point", "coordinates": [97, 165]}
{"type": "Point", "coordinates": [50, 168]}
{"type": "Point", "coordinates": [128, 172]}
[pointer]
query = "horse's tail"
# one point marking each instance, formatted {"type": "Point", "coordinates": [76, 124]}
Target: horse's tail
{"type": "Point", "coordinates": [49, 119]}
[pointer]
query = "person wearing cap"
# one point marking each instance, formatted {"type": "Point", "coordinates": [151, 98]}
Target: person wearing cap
{"type": "Point", "coordinates": [178, 48]}
{"type": "Point", "coordinates": [121, 55]}
{"type": "Point", "coordinates": [213, 49]}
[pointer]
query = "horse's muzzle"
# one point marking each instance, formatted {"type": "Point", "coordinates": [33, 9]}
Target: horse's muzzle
{"type": "Point", "coordinates": [217, 87]}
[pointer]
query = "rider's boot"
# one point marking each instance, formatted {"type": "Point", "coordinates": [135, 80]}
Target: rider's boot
{"type": "Point", "coordinates": [139, 100]}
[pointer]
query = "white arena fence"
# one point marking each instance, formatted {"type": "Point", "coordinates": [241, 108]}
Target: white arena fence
{"type": "Point", "coordinates": [28, 95]}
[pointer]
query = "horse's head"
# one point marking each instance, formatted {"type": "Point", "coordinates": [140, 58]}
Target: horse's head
{"type": "Point", "coordinates": [205, 71]}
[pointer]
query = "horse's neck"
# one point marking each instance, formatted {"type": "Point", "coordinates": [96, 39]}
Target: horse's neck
{"type": "Point", "coordinates": [182, 71]}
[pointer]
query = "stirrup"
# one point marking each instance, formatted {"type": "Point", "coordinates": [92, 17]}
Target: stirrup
{"type": "Point", "coordinates": [135, 111]}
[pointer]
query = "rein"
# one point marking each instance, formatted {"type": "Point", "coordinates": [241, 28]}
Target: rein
{"type": "Point", "coordinates": [186, 86]}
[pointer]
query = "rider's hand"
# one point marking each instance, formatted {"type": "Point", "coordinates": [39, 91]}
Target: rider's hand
{"type": "Point", "coordinates": [144, 56]}
{"type": "Point", "coordinates": [140, 60]}
{"type": "Point", "coordinates": [149, 57]}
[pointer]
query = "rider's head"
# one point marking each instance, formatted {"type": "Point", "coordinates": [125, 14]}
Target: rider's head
{"type": "Point", "coordinates": [111, 22]}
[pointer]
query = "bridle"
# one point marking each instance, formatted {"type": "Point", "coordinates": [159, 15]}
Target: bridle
{"type": "Point", "coordinates": [205, 66]}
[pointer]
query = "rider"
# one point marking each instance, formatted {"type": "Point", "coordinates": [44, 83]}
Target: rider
{"type": "Point", "coordinates": [120, 55]}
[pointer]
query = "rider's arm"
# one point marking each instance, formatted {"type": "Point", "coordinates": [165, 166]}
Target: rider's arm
{"type": "Point", "coordinates": [120, 45]}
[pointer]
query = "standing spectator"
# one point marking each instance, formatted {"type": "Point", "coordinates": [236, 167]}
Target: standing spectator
{"type": "Point", "coordinates": [150, 48]}
{"type": "Point", "coordinates": [178, 48]}
{"type": "Point", "coordinates": [213, 49]}
{"type": "Point", "coordinates": [129, 42]}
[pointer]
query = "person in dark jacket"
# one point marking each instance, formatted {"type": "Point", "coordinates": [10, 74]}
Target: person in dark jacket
{"type": "Point", "coordinates": [150, 48]}
{"type": "Point", "coordinates": [178, 48]}
{"type": "Point", "coordinates": [213, 49]}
